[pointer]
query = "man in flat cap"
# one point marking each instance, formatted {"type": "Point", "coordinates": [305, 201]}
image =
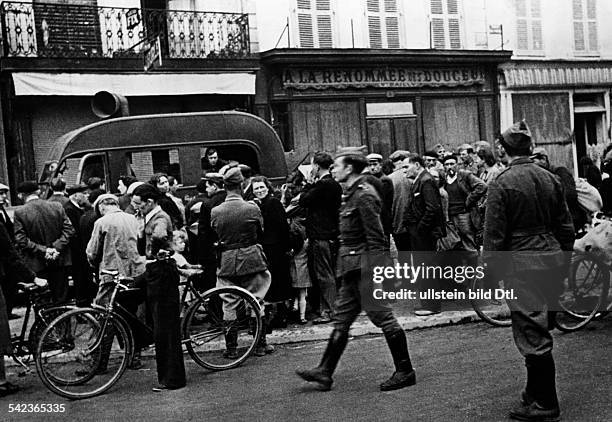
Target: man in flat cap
{"type": "Point", "coordinates": [466, 156]}
{"type": "Point", "coordinates": [77, 204]}
{"type": "Point", "coordinates": [362, 246]}
{"type": "Point", "coordinates": [43, 232]}
{"type": "Point", "coordinates": [579, 216]}
{"type": "Point", "coordinates": [384, 187]}
{"type": "Point", "coordinates": [401, 199]}
{"type": "Point", "coordinates": [239, 225]}
{"type": "Point", "coordinates": [207, 237]}
{"type": "Point", "coordinates": [527, 228]}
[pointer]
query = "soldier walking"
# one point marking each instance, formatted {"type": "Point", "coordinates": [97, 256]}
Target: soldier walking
{"type": "Point", "coordinates": [362, 243]}
{"type": "Point", "coordinates": [527, 228]}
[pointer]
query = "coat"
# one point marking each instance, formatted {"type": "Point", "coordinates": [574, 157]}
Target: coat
{"type": "Point", "coordinates": [40, 225]}
{"type": "Point", "coordinates": [425, 207]}
{"type": "Point", "coordinates": [322, 201]}
{"type": "Point", "coordinates": [527, 221]}
{"type": "Point", "coordinates": [239, 226]}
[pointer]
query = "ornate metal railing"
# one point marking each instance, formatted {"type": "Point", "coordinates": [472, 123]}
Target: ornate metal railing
{"type": "Point", "coordinates": [46, 30]}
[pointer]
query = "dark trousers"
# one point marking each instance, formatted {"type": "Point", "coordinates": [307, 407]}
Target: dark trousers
{"type": "Point", "coordinates": [423, 246]}
{"type": "Point", "coordinates": [84, 288]}
{"type": "Point", "coordinates": [322, 266]}
{"type": "Point", "coordinates": [58, 283]}
{"type": "Point", "coordinates": [402, 241]}
{"type": "Point", "coordinates": [162, 280]}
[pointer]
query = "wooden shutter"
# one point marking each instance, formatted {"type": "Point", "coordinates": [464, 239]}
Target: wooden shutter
{"type": "Point", "coordinates": [445, 24]}
{"type": "Point", "coordinates": [314, 20]}
{"type": "Point", "coordinates": [528, 25]}
{"type": "Point", "coordinates": [383, 23]}
{"type": "Point", "coordinates": [584, 13]}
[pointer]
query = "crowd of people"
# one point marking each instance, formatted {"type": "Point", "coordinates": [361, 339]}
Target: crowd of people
{"type": "Point", "coordinates": [299, 248]}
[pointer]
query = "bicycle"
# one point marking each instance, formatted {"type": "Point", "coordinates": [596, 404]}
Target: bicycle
{"type": "Point", "coordinates": [103, 338]}
{"type": "Point", "coordinates": [38, 303]}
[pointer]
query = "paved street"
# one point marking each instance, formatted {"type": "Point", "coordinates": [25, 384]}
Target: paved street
{"type": "Point", "coordinates": [469, 372]}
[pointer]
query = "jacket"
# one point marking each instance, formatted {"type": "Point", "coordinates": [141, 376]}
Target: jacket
{"type": "Point", "coordinates": [527, 219]}
{"type": "Point", "coordinates": [384, 188]}
{"type": "Point", "coordinates": [361, 231]}
{"type": "Point", "coordinates": [425, 207]}
{"type": "Point", "coordinates": [157, 231]}
{"type": "Point", "coordinates": [322, 200]}
{"type": "Point", "coordinates": [40, 225]}
{"type": "Point", "coordinates": [239, 226]}
{"type": "Point", "coordinates": [401, 200]}
{"type": "Point", "coordinates": [113, 244]}
{"type": "Point", "coordinates": [472, 187]}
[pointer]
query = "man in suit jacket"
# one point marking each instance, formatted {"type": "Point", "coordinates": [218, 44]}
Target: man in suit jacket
{"type": "Point", "coordinates": [425, 222]}
{"type": "Point", "coordinates": [42, 232]}
{"type": "Point", "coordinates": [81, 274]}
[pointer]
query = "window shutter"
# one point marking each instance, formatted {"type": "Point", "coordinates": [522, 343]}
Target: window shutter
{"type": "Point", "coordinates": [536, 30]}
{"type": "Point", "coordinates": [579, 36]}
{"type": "Point", "coordinates": [314, 23]}
{"type": "Point", "coordinates": [383, 23]}
{"type": "Point", "coordinates": [305, 30]}
{"type": "Point", "coordinates": [454, 33]}
{"type": "Point", "coordinates": [324, 26]}
{"type": "Point", "coordinates": [528, 25]}
{"type": "Point", "coordinates": [375, 32]}
{"type": "Point", "coordinates": [452, 7]}
{"type": "Point", "coordinates": [522, 34]}
{"type": "Point", "coordinates": [592, 24]}
{"type": "Point", "coordinates": [437, 29]}
{"type": "Point", "coordinates": [584, 13]}
{"type": "Point", "coordinates": [393, 36]}
{"type": "Point", "coordinates": [436, 7]}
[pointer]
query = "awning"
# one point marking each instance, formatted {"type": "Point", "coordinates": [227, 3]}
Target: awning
{"type": "Point", "coordinates": [149, 84]}
{"type": "Point", "coordinates": [536, 75]}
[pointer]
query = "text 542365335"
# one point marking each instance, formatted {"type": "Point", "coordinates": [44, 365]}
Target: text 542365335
{"type": "Point", "coordinates": [36, 408]}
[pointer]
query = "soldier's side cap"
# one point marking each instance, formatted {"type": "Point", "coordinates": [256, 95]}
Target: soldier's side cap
{"type": "Point", "coordinates": [4, 188]}
{"type": "Point", "coordinates": [214, 178]}
{"type": "Point", "coordinates": [400, 154]}
{"type": "Point", "coordinates": [29, 186]}
{"type": "Point", "coordinates": [374, 157]}
{"type": "Point", "coordinates": [132, 187]}
{"type": "Point", "coordinates": [104, 197]}
{"type": "Point", "coordinates": [539, 152]}
{"type": "Point", "coordinates": [81, 187]}
{"type": "Point", "coordinates": [233, 176]}
{"type": "Point", "coordinates": [518, 135]}
{"type": "Point", "coordinates": [344, 151]}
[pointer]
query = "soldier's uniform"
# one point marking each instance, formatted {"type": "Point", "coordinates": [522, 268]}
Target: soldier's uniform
{"type": "Point", "coordinates": [527, 229]}
{"type": "Point", "coordinates": [362, 245]}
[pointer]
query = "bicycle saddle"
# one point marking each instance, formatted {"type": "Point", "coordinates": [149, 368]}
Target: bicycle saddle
{"type": "Point", "coordinates": [29, 287]}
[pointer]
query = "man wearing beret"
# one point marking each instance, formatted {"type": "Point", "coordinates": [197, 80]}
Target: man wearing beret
{"type": "Point", "coordinates": [239, 225]}
{"type": "Point", "coordinates": [527, 229]}
{"type": "Point", "coordinates": [43, 232]}
{"type": "Point", "coordinates": [362, 245]}
{"type": "Point", "coordinates": [75, 207]}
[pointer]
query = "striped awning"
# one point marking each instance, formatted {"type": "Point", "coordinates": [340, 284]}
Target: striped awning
{"type": "Point", "coordinates": [555, 74]}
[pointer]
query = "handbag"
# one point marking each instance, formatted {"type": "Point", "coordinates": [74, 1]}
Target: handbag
{"type": "Point", "coordinates": [451, 241]}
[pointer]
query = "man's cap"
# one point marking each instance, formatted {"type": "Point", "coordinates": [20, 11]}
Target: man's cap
{"type": "Point", "coordinates": [215, 178]}
{"type": "Point", "coordinates": [233, 176]}
{"type": "Point", "coordinates": [104, 197]}
{"type": "Point", "coordinates": [465, 147]}
{"type": "Point", "coordinates": [518, 135]}
{"type": "Point", "coordinates": [374, 157]}
{"type": "Point", "coordinates": [430, 154]}
{"type": "Point", "coordinates": [359, 151]}
{"type": "Point", "coordinates": [27, 187]}
{"type": "Point", "coordinates": [539, 152]}
{"type": "Point", "coordinates": [4, 188]}
{"type": "Point", "coordinates": [132, 187]}
{"type": "Point", "coordinates": [81, 187]}
{"type": "Point", "coordinates": [482, 145]}
{"type": "Point", "coordinates": [400, 154]}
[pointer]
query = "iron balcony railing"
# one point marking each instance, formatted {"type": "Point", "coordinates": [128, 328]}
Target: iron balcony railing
{"type": "Point", "coordinates": [68, 30]}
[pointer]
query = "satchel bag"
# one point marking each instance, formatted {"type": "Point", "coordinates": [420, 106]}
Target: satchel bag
{"type": "Point", "coordinates": [451, 241]}
{"type": "Point", "coordinates": [588, 196]}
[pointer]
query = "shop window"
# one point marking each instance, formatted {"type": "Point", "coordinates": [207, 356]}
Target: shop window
{"type": "Point", "coordinates": [314, 23]}
{"type": "Point", "coordinates": [383, 23]}
{"type": "Point", "coordinates": [144, 164]}
{"type": "Point", "coordinates": [585, 26]}
{"type": "Point", "coordinates": [445, 24]}
{"type": "Point", "coordinates": [529, 26]}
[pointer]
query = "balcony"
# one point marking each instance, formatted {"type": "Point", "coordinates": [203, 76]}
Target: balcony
{"type": "Point", "coordinates": [69, 31]}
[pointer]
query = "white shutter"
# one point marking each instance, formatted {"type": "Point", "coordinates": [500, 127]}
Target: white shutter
{"type": "Point", "coordinates": [584, 13]}
{"type": "Point", "coordinates": [445, 24]}
{"type": "Point", "coordinates": [315, 24]}
{"type": "Point", "coordinates": [528, 25]}
{"type": "Point", "coordinates": [383, 23]}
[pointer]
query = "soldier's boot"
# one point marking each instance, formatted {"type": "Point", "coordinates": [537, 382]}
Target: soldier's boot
{"type": "Point", "coordinates": [263, 348]}
{"type": "Point", "coordinates": [322, 374]}
{"type": "Point", "coordinates": [539, 401]}
{"type": "Point", "coordinates": [404, 374]}
{"type": "Point", "coordinates": [231, 343]}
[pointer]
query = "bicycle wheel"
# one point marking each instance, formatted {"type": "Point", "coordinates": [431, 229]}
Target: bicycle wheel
{"type": "Point", "coordinates": [83, 353]}
{"type": "Point", "coordinates": [210, 325]}
{"type": "Point", "coordinates": [482, 297]}
{"type": "Point", "coordinates": [585, 292]}
{"type": "Point", "coordinates": [40, 323]}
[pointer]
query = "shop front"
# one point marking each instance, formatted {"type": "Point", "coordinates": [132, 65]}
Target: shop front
{"type": "Point", "coordinates": [319, 100]}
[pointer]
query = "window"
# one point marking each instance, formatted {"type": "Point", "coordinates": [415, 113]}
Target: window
{"type": "Point", "coordinates": [144, 164]}
{"type": "Point", "coordinates": [445, 24]}
{"type": "Point", "coordinates": [585, 26]}
{"type": "Point", "coordinates": [314, 23]}
{"type": "Point", "coordinates": [383, 23]}
{"type": "Point", "coordinates": [529, 25]}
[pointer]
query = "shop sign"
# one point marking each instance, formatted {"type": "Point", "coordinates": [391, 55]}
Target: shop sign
{"type": "Point", "coordinates": [388, 77]}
